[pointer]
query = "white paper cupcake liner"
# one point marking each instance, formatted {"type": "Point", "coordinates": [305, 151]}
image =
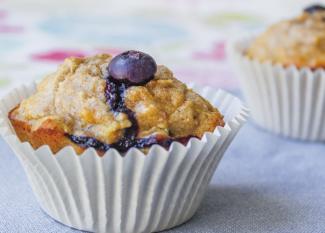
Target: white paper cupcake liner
{"type": "Point", "coordinates": [132, 193]}
{"type": "Point", "coordinates": [285, 100]}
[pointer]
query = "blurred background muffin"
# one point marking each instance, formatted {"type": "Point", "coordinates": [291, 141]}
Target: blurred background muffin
{"type": "Point", "coordinates": [299, 41]}
{"type": "Point", "coordinates": [282, 75]}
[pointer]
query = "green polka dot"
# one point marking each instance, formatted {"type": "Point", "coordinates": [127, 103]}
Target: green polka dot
{"type": "Point", "coordinates": [221, 19]}
{"type": "Point", "coordinates": [172, 46]}
{"type": "Point", "coordinates": [4, 82]}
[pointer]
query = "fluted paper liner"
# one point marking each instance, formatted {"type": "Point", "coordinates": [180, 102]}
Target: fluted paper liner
{"type": "Point", "coordinates": [132, 193]}
{"type": "Point", "coordinates": [285, 100]}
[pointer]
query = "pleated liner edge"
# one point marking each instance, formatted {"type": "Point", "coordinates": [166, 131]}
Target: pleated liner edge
{"type": "Point", "coordinates": [130, 193]}
{"type": "Point", "coordinates": [289, 101]}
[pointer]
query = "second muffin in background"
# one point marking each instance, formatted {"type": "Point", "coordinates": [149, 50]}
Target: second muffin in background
{"type": "Point", "coordinates": [282, 75]}
{"type": "Point", "coordinates": [299, 41]}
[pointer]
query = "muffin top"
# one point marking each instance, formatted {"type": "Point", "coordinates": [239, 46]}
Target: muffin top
{"type": "Point", "coordinates": [118, 103]}
{"type": "Point", "coordinates": [299, 41]}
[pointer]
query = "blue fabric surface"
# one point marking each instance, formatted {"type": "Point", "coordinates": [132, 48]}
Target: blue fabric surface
{"type": "Point", "coordinates": [264, 183]}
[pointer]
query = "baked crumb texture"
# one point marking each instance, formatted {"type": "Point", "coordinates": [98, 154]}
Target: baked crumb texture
{"type": "Point", "coordinates": [299, 41]}
{"type": "Point", "coordinates": [72, 101]}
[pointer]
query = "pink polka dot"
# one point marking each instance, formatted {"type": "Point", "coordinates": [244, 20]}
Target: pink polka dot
{"type": "Point", "coordinates": [10, 29]}
{"type": "Point", "coordinates": [215, 77]}
{"type": "Point", "coordinates": [3, 14]}
{"type": "Point", "coordinates": [57, 55]}
{"type": "Point", "coordinates": [7, 28]}
{"type": "Point", "coordinates": [217, 53]}
{"type": "Point", "coordinates": [112, 51]}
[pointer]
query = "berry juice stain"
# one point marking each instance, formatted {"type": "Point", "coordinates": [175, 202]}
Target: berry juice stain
{"type": "Point", "coordinates": [115, 98]}
{"type": "Point", "coordinates": [131, 68]}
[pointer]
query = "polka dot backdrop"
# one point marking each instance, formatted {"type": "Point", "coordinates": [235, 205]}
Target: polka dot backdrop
{"type": "Point", "coordinates": [187, 36]}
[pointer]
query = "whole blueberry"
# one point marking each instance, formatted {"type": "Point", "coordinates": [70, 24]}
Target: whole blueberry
{"type": "Point", "coordinates": [132, 66]}
{"type": "Point", "coordinates": [314, 8]}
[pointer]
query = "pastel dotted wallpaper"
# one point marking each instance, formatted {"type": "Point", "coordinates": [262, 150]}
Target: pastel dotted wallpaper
{"type": "Point", "coordinates": [189, 36]}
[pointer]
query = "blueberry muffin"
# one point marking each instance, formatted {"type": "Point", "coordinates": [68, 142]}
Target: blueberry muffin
{"type": "Point", "coordinates": [104, 102]}
{"type": "Point", "coordinates": [299, 41]}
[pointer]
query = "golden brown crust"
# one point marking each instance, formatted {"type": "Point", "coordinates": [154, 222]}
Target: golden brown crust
{"type": "Point", "coordinates": [48, 134]}
{"type": "Point", "coordinates": [72, 101]}
{"type": "Point", "coordinates": [74, 98]}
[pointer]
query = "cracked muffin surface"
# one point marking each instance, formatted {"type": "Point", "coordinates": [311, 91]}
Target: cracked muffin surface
{"type": "Point", "coordinates": [72, 105]}
{"type": "Point", "coordinates": [299, 41]}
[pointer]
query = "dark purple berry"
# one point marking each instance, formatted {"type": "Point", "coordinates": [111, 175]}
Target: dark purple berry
{"type": "Point", "coordinates": [314, 8]}
{"type": "Point", "coordinates": [132, 66]}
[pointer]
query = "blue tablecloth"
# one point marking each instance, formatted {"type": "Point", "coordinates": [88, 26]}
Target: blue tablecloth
{"type": "Point", "coordinates": [264, 183]}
